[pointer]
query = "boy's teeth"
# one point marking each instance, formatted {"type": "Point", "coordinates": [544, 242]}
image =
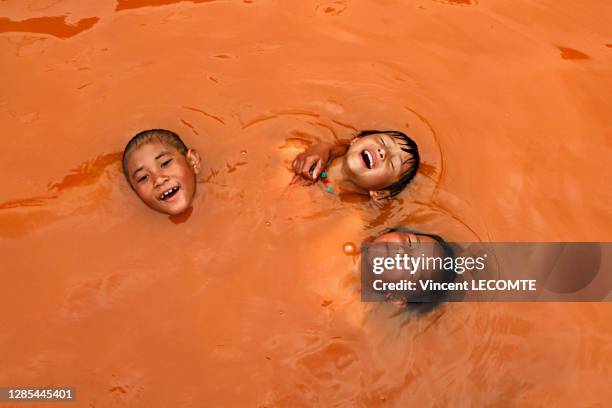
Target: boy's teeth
{"type": "Point", "coordinates": [368, 159]}
{"type": "Point", "coordinates": [166, 193]}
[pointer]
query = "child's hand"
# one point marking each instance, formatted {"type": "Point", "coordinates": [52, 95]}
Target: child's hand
{"type": "Point", "coordinates": [310, 163]}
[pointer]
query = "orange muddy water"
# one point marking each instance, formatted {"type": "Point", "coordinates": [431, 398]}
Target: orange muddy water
{"type": "Point", "coordinates": [249, 300]}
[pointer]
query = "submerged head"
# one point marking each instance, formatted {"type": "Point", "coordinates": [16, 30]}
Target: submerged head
{"type": "Point", "coordinates": [382, 162]}
{"type": "Point", "coordinates": [161, 170]}
{"type": "Point", "coordinates": [402, 240]}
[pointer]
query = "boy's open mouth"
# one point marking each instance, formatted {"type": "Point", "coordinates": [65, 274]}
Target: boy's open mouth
{"type": "Point", "coordinates": [367, 158]}
{"type": "Point", "coordinates": [171, 192]}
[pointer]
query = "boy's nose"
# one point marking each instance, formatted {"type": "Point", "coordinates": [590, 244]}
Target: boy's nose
{"type": "Point", "coordinates": [160, 180]}
{"type": "Point", "coordinates": [381, 153]}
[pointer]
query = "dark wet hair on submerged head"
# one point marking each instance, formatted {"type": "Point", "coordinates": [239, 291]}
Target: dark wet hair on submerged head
{"type": "Point", "coordinates": [409, 146]}
{"type": "Point", "coordinates": [146, 136]}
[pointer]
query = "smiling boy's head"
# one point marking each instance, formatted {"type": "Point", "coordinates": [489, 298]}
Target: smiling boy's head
{"type": "Point", "coordinates": [382, 161]}
{"type": "Point", "coordinates": [161, 170]}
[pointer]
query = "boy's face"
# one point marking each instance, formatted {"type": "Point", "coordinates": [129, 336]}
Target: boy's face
{"type": "Point", "coordinates": [162, 177]}
{"type": "Point", "coordinates": [408, 243]}
{"type": "Point", "coordinates": [376, 161]}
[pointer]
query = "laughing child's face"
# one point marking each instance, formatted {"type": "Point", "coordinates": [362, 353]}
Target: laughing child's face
{"type": "Point", "coordinates": [376, 161]}
{"type": "Point", "coordinates": [163, 177]}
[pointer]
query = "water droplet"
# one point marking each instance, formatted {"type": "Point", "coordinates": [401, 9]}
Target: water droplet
{"type": "Point", "coordinates": [243, 152]}
{"type": "Point", "coordinates": [268, 223]}
{"type": "Point", "coordinates": [349, 248]}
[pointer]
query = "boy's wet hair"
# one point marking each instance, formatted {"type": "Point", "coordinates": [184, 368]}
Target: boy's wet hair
{"type": "Point", "coordinates": [146, 136]}
{"type": "Point", "coordinates": [409, 146]}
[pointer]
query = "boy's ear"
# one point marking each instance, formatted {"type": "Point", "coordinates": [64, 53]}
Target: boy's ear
{"type": "Point", "coordinates": [380, 197]}
{"type": "Point", "coordinates": [193, 158]}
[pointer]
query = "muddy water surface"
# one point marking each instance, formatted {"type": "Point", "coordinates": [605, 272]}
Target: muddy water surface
{"type": "Point", "coordinates": [249, 299]}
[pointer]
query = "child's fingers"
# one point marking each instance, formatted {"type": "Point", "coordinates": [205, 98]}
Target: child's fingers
{"type": "Point", "coordinates": [317, 169]}
{"type": "Point", "coordinates": [309, 167]}
{"type": "Point", "coordinates": [297, 164]}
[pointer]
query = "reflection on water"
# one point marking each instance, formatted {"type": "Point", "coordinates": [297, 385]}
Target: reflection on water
{"type": "Point", "coordinates": [252, 297]}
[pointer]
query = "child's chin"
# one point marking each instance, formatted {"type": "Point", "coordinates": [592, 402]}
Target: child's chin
{"type": "Point", "coordinates": [362, 184]}
{"type": "Point", "coordinates": [170, 210]}
{"type": "Point", "coordinates": [176, 210]}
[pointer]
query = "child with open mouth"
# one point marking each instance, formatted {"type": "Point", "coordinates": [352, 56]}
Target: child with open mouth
{"type": "Point", "coordinates": [161, 170]}
{"type": "Point", "coordinates": [378, 163]}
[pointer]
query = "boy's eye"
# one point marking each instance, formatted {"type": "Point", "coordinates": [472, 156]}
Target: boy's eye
{"type": "Point", "coordinates": [383, 141]}
{"type": "Point", "coordinates": [142, 178]}
{"type": "Point", "coordinates": [166, 162]}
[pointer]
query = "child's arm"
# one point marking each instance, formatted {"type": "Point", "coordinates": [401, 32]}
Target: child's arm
{"type": "Point", "coordinates": [315, 159]}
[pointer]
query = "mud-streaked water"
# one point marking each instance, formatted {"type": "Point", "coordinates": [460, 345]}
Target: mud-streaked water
{"type": "Point", "coordinates": [249, 300]}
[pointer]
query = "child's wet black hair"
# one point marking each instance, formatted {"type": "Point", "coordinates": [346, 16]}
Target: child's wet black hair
{"type": "Point", "coordinates": [146, 136]}
{"type": "Point", "coordinates": [431, 299]}
{"type": "Point", "coordinates": [409, 146]}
